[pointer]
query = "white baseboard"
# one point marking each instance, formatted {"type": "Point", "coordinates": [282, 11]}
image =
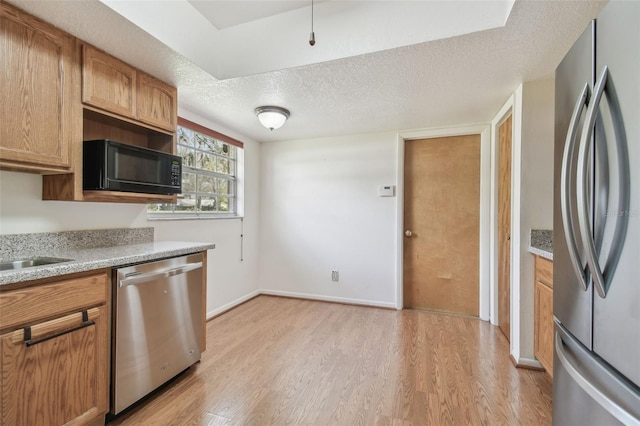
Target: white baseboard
{"type": "Point", "coordinates": [346, 300]}
{"type": "Point", "coordinates": [231, 305]}
{"type": "Point", "coordinates": [529, 363]}
{"type": "Point", "coordinates": [224, 308]}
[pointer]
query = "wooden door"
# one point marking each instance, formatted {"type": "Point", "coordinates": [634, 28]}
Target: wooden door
{"type": "Point", "coordinates": [504, 227]}
{"type": "Point", "coordinates": [442, 214]}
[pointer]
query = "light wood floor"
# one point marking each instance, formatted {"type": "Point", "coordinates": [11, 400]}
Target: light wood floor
{"type": "Point", "coordinates": [278, 361]}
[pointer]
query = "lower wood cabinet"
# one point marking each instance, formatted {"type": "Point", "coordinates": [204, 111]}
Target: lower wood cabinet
{"type": "Point", "coordinates": [55, 352]}
{"type": "Point", "coordinates": [543, 305]}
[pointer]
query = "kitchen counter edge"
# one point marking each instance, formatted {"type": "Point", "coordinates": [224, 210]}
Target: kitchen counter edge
{"type": "Point", "coordinates": [100, 257]}
{"type": "Point", "coordinates": [541, 243]}
{"type": "Point", "coordinates": [541, 252]}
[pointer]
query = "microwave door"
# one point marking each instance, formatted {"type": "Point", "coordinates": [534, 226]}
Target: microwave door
{"type": "Point", "coordinates": [134, 166]}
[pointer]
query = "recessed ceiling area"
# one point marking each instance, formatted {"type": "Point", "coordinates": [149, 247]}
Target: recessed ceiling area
{"type": "Point", "coordinates": [224, 14]}
{"type": "Point", "coordinates": [459, 79]}
{"type": "Point", "coordinates": [230, 39]}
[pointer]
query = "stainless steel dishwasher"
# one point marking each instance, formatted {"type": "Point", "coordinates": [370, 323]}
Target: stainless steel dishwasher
{"type": "Point", "coordinates": [157, 325]}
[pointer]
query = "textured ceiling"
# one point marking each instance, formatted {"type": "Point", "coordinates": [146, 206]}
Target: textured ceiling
{"type": "Point", "coordinates": [458, 80]}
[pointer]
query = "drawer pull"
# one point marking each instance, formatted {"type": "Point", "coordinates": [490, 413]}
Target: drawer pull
{"type": "Point", "coordinates": [85, 323]}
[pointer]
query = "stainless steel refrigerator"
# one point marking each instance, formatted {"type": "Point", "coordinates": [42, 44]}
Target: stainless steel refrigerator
{"type": "Point", "coordinates": [596, 300]}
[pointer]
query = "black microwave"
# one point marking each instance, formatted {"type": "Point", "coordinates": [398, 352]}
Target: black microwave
{"type": "Point", "coordinates": [114, 166]}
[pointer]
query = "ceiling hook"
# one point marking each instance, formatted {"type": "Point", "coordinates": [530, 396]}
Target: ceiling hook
{"type": "Point", "coordinates": [312, 36]}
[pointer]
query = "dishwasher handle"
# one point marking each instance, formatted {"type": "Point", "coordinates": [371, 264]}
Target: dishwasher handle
{"type": "Point", "coordinates": [151, 276]}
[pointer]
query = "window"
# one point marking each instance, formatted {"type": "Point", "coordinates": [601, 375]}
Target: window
{"type": "Point", "coordinates": [209, 166]}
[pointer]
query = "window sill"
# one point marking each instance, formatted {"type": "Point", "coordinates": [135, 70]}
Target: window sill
{"type": "Point", "coordinates": [194, 217]}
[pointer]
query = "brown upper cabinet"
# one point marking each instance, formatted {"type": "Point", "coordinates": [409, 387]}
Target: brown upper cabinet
{"type": "Point", "coordinates": [108, 83]}
{"type": "Point", "coordinates": [59, 91]}
{"type": "Point", "coordinates": [115, 87]}
{"type": "Point", "coordinates": [40, 90]}
{"type": "Point", "coordinates": [157, 102]}
{"type": "Point", "coordinates": [121, 103]}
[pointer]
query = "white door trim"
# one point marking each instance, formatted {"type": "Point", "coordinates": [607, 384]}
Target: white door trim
{"type": "Point", "coordinates": [513, 107]}
{"type": "Point", "coordinates": [484, 130]}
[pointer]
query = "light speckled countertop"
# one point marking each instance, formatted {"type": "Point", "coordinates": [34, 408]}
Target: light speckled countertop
{"type": "Point", "coordinates": [88, 250]}
{"type": "Point", "coordinates": [541, 243]}
{"type": "Point", "coordinates": [87, 259]}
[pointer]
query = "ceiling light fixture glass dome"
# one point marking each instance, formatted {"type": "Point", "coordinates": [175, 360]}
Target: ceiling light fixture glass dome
{"type": "Point", "coordinates": [272, 117]}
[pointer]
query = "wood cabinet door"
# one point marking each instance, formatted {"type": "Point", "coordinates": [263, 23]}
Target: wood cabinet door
{"type": "Point", "coordinates": [543, 335]}
{"type": "Point", "coordinates": [108, 83]}
{"type": "Point", "coordinates": [38, 89]}
{"type": "Point", "coordinates": [157, 102]}
{"type": "Point", "coordinates": [61, 377]}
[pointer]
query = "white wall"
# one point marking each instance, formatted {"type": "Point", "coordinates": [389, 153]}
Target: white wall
{"type": "Point", "coordinates": [320, 211]}
{"type": "Point", "coordinates": [229, 280]}
{"type": "Point", "coordinates": [23, 211]}
{"type": "Point", "coordinates": [536, 189]}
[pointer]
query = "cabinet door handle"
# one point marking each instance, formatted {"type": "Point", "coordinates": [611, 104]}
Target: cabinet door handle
{"type": "Point", "coordinates": [150, 276]}
{"type": "Point", "coordinates": [27, 331]}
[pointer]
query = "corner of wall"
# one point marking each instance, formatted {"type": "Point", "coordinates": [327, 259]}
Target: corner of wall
{"type": "Point", "coordinates": [536, 188]}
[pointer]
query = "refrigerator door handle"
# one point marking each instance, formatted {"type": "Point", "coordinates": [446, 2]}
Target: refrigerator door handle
{"type": "Point", "coordinates": [603, 400]}
{"type": "Point", "coordinates": [565, 188]}
{"type": "Point", "coordinates": [584, 221]}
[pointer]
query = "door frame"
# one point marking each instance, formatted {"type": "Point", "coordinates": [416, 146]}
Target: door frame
{"type": "Point", "coordinates": [513, 107]}
{"type": "Point", "coordinates": [499, 120]}
{"type": "Point", "coordinates": [484, 130]}
{"type": "Point", "coordinates": [506, 111]}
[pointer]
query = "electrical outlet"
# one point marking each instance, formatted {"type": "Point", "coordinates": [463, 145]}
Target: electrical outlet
{"type": "Point", "coordinates": [335, 276]}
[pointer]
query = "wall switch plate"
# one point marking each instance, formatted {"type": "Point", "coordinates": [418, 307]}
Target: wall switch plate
{"type": "Point", "coordinates": [386, 190]}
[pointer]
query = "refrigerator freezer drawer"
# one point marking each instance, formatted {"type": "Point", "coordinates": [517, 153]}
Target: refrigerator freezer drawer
{"type": "Point", "coordinates": [586, 391]}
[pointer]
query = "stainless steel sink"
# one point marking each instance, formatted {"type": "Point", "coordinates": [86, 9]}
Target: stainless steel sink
{"type": "Point", "coordinates": [27, 263]}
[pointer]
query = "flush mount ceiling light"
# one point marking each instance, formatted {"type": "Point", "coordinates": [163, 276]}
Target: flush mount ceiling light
{"type": "Point", "coordinates": [272, 117]}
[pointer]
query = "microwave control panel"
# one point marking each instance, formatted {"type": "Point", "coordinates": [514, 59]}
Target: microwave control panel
{"type": "Point", "coordinates": [176, 173]}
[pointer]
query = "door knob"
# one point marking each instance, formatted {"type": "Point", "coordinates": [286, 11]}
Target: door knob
{"type": "Point", "coordinates": [408, 233]}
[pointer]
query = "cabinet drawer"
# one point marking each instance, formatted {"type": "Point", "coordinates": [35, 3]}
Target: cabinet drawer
{"type": "Point", "coordinates": [27, 305]}
{"type": "Point", "coordinates": [544, 271]}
